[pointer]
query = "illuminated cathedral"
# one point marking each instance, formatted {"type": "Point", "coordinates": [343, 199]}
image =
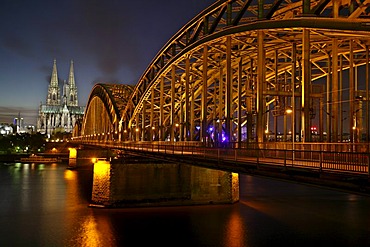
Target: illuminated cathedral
{"type": "Point", "coordinates": [61, 111]}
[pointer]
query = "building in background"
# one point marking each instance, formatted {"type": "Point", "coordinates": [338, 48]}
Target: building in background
{"type": "Point", "coordinates": [19, 127]}
{"type": "Point", "coordinates": [6, 129]}
{"type": "Point", "coordinates": [18, 124]}
{"type": "Point", "coordinates": [61, 111]}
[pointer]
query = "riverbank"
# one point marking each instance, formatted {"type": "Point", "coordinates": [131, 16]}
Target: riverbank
{"type": "Point", "coordinates": [11, 158]}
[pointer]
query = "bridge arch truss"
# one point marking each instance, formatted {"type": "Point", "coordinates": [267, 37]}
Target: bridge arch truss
{"type": "Point", "coordinates": [236, 70]}
{"type": "Point", "coordinates": [103, 111]}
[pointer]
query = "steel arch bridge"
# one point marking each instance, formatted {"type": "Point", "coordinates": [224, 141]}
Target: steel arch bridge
{"type": "Point", "coordinates": [245, 70]}
{"type": "Point", "coordinates": [102, 119]}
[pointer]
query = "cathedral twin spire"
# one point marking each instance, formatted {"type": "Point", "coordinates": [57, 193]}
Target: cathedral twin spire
{"type": "Point", "coordinates": [53, 97]}
{"type": "Point", "coordinates": [61, 111]}
{"type": "Point", "coordinates": [69, 97]}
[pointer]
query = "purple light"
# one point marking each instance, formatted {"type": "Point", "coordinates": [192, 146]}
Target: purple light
{"type": "Point", "coordinates": [210, 129]}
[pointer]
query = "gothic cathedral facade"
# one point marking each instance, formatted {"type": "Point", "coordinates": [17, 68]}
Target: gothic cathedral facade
{"type": "Point", "coordinates": [61, 112]}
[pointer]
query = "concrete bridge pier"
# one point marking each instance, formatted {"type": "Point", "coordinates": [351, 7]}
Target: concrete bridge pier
{"type": "Point", "coordinates": [83, 157]}
{"type": "Point", "coordinates": [153, 184]}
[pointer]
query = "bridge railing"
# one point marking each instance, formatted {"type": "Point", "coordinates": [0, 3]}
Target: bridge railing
{"type": "Point", "coordinates": [318, 157]}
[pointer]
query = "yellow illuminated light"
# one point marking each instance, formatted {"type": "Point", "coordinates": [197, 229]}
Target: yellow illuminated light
{"type": "Point", "coordinates": [94, 160]}
{"type": "Point", "coordinates": [101, 168]}
{"type": "Point", "coordinates": [72, 153]}
{"type": "Point", "coordinates": [101, 182]}
{"type": "Point", "coordinates": [90, 233]}
{"type": "Point", "coordinates": [235, 230]}
{"type": "Point", "coordinates": [69, 175]}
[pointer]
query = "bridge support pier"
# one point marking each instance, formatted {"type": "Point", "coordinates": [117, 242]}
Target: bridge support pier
{"type": "Point", "coordinates": [72, 158]}
{"type": "Point", "coordinates": [161, 184]}
{"type": "Point", "coordinates": [83, 157]}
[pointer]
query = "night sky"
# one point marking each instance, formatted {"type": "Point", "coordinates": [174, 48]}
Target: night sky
{"type": "Point", "coordinates": [109, 41]}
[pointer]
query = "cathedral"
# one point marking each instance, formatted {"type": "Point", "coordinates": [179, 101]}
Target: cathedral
{"type": "Point", "coordinates": [61, 112]}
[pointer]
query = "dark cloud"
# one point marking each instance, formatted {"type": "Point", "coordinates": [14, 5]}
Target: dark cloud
{"type": "Point", "coordinates": [116, 35]}
{"type": "Point", "coordinates": [110, 41]}
{"type": "Point", "coordinates": [17, 45]}
{"type": "Point", "coordinates": [104, 29]}
{"type": "Point", "coordinates": [110, 80]}
{"type": "Point", "coordinates": [47, 71]}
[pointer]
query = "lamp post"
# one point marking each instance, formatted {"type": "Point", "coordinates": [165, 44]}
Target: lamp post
{"type": "Point", "coordinates": [290, 110]}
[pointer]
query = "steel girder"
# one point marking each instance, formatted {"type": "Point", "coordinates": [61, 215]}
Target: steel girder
{"type": "Point", "coordinates": [238, 65]}
{"type": "Point", "coordinates": [103, 110]}
{"type": "Point", "coordinates": [233, 62]}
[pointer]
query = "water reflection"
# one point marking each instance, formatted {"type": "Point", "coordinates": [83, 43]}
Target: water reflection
{"type": "Point", "coordinates": [93, 232]}
{"type": "Point", "coordinates": [47, 205]}
{"type": "Point", "coordinates": [70, 175]}
{"type": "Point", "coordinates": [235, 231]}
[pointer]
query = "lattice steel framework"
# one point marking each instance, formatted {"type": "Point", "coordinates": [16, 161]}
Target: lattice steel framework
{"type": "Point", "coordinates": [235, 69]}
{"type": "Point", "coordinates": [103, 111]}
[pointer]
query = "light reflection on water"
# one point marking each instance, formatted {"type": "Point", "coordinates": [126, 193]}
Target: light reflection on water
{"type": "Point", "coordinates": [92, 233]}
{"type": "Point", "coordinates": [235, 232]}
{"type": "Point", "coordinates": [47, 205]}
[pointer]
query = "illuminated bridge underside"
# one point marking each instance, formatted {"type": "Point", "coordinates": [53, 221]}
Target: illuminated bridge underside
{"type": "Point", "coordinates": [233, 71]}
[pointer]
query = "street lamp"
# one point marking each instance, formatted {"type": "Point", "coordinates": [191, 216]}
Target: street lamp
{"type": "Point", "coordinates": [290, 110]}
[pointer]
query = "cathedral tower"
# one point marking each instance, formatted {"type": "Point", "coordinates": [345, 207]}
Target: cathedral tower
{"type": "Point", "coordinates": [53, 97]}
{"type": "Point", "coordinates": [60, 114]}
{"type": "Point", "coordinates": [72, 99]}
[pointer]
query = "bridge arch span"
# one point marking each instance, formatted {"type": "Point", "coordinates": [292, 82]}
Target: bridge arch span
{"type": "Point", "coordinates": [103, 111]}
{"type": "Point", "coordinates": [233, 71]}
{"type": "Point", "coordinates": [233, 63]}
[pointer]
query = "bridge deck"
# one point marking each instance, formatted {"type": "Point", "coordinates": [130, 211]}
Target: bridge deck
{"type": "Point", "coordinates": [345, 170]}
{"type": "Point", "coordinates": [355, 163]}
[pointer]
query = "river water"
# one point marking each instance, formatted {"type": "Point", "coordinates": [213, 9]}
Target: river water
{"type": "Point", "coordinates": [47, 205]}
